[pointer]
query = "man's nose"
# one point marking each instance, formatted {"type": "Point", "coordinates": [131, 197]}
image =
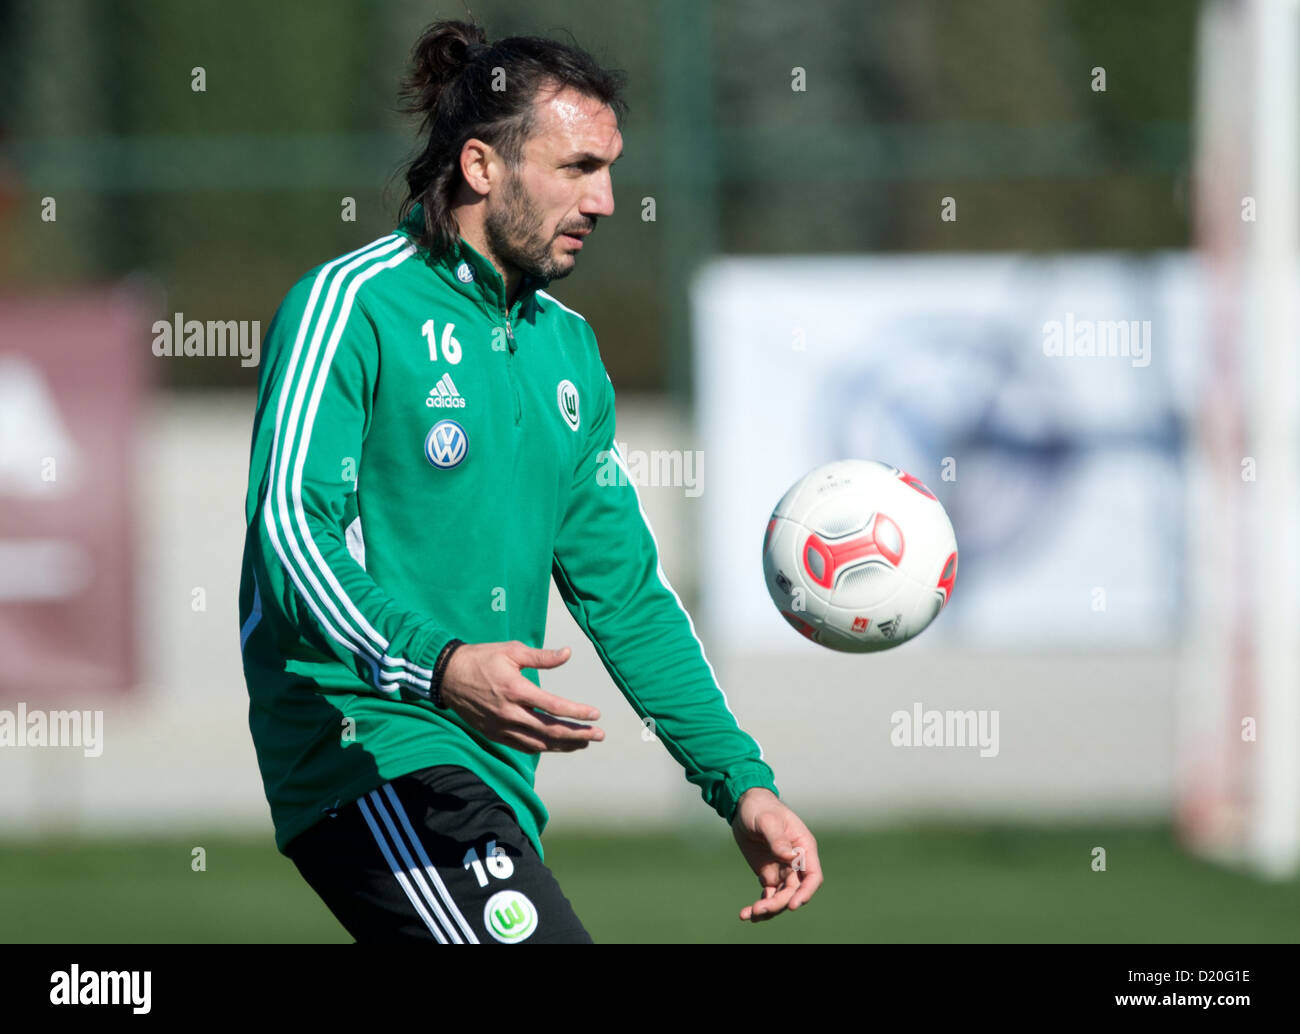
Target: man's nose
{"type": "Point", "coordinates": [600, 200]}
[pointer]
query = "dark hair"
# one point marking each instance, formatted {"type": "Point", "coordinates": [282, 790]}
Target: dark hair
{"type": "Point", "coordinates": [450, 83]}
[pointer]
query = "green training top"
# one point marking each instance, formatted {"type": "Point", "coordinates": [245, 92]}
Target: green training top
{"type": "Point", "coordinates": [423, 462]}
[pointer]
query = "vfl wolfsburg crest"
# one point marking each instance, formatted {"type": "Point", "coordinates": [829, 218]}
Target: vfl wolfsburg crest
{"type": "Point", "coordinates": [567, 396]}
{"type": "Point", "coordinates": [510, 917]}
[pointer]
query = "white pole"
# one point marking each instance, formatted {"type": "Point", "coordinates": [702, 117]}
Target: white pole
{"type": "Point", "coordinates": [1274, 418]}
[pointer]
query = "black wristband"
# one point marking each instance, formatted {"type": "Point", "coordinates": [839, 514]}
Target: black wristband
{"type": "Point", "coordinates": [439, 668]}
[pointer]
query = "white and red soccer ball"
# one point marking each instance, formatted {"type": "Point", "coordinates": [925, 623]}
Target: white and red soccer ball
{"type": "Point", "coordinates": [859, 556]}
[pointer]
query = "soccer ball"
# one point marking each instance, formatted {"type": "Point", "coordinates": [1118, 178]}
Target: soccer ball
{"type": "Point", "coordinates": [859, 556]}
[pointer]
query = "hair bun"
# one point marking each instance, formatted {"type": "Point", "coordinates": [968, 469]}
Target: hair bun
{"type": "Point", "coordinates": [440, 55]}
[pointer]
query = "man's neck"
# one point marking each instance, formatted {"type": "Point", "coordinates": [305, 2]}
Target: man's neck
{"type": "Point", "coordinates": [512, 289]}
{"type": "Point", "coordinates": [513, 278]}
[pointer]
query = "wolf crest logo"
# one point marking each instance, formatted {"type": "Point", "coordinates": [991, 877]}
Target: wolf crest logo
{"type": "Point", "coordinates": [566, 395]}
{"type": "Point", "coordinates": [510, 917]}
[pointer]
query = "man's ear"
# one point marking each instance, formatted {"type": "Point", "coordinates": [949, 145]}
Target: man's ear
{"type": "Point", "coordinates": [479, 163]}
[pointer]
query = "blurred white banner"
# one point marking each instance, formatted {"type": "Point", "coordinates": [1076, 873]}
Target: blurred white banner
{"type": "Point", "coordinates": [1042, 399]}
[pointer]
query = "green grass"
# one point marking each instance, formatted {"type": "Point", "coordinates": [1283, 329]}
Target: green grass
{"type": "Point", "coordinates": [900, 885]}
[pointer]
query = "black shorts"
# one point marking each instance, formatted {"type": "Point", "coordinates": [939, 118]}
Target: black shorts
{"type": "Point", "coordinates": [434, 856]}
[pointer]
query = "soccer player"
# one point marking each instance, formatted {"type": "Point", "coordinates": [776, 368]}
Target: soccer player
{"type": "Point", "coordinates": [433, 442]}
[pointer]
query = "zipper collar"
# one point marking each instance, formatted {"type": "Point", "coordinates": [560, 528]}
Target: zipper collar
{"type": "Point", "coordinates": [468, 272]}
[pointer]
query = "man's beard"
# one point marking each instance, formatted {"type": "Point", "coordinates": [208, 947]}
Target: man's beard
{"type": "Point", "coordinates": [514, 233]}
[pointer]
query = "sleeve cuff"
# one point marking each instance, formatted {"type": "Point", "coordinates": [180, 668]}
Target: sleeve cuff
{"type": "Point", "coordinates": [756, 774]}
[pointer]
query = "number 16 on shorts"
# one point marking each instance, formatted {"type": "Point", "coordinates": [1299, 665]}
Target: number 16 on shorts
{"type": "Point", "coordinates": [499, 864]}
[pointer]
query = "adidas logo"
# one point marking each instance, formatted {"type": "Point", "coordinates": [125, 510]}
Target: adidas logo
{"type": "Point", "coordinates": [444, 395]}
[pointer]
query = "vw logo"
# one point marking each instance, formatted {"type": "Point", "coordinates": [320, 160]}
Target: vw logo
{"type": "Point", "coordinates": [446, 444]}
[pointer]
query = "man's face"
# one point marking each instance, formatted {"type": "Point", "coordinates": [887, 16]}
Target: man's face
{"type": "Point", "coordinates": [537, 219]}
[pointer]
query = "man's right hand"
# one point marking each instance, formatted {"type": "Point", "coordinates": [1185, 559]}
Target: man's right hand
{"type": "Point", "coordinates": [484, 685]}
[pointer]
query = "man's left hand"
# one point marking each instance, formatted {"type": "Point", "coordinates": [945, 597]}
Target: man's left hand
{"type": "Point", "coordinates": [780, 850]}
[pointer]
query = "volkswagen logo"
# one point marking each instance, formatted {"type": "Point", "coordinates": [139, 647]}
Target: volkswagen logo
{"type": "Point", "coordinates": [446, 444]}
